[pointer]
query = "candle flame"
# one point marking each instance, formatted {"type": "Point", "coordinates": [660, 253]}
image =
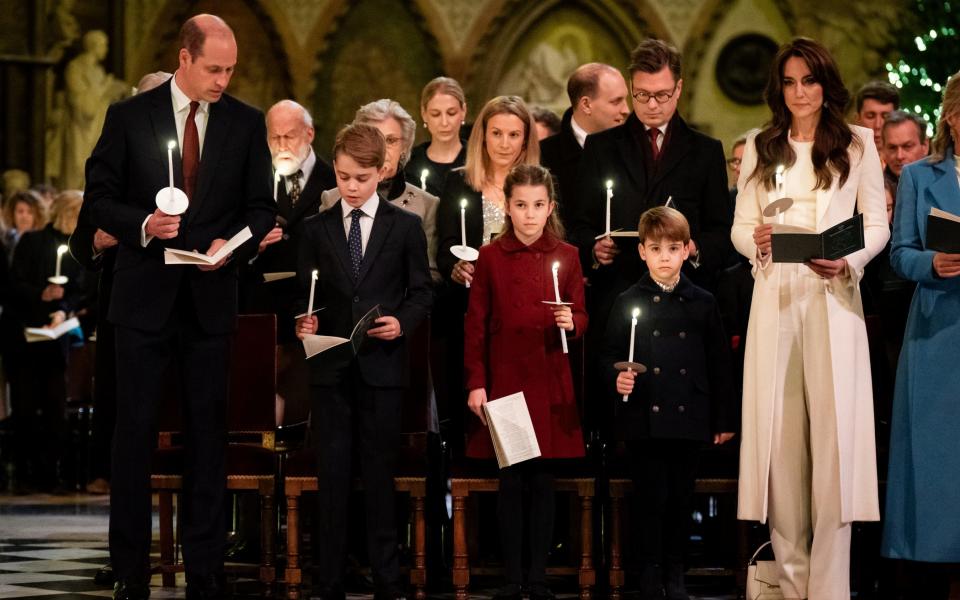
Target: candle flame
{"type": "Point", "coordinates": [780, 169]}
{"type": "Point", "coordinates": [314, 274]}
{"type": "Point", "coordinates": [609, 184]}
{"type": "Point", "coordinates": [424, 173]}
{"type": "Point", "coordinates": [463, 203]}
{"type": "Point", "coordinates": [61, 250]}
{"type": "Point", "coordinates": [556, 266]}
{"type": "Point", "coordinates": [171, 144]}
{"type": "Point", "coordinates": [636, 313]}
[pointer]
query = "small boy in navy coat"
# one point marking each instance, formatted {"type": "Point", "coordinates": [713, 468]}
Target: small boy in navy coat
{"type": "Point", "coordinates": [680, 403]}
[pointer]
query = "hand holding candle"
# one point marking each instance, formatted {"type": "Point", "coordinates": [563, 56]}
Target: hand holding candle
{"type": "Point", "coordinates": [633, 338]}
{"type": "Point", "coordinates": [556, 291]}
{"type": "Point", "coordinates": [171, 200]}
{"type": "Point", "coordinates": [465, 253]}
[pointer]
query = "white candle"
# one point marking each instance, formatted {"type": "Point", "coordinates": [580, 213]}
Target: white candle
{"type": "Point", "coordinates": [423, 179]}
{"type": "Point", "coordinates": [170, 146]}
{"type": "Point", "coordinates": [313, 287]}
{"type": "Point", "coordinates": [633, 337]}
{"type": "Point", "coordinates": [556, 291]}
{"type": "Point", "coordinates": [778, 180]}
{"type": "Point", "coordinates": [276, 184]}
{"type": "Point", "coordinates": [609, 196]}
{"type": "Point", "coordinates": [61, 250]}
{"type": "Point", "coordinates": [463, 222]}
{"type": "Point", "coordinates": [669, 202]}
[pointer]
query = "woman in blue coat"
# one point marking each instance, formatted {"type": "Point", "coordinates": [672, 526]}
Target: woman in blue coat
{"type": "Point", "coordinates": [923, 489]}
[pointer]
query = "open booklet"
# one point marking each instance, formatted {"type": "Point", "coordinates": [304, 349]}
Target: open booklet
{"type": "Point", "coordinates": [511, 429]}
{"type": "Point", "coordinates": [45, 334]}
{"type": "Point", "coordinates": [943, 231]}
{"type": "Point", "coordinates": [315, 344]}
{"type": "Point", "coordinates": [792, 244]}
{"type": "Point", "coordinates": [174, 256]}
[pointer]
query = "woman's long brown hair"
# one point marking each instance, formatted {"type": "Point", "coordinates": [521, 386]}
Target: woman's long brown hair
{"type": "Point", "coordinates": [833, 136]}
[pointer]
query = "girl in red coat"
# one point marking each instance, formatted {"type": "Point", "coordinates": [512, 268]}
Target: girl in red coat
{"type": "Point", "coordinates": [513, 345]}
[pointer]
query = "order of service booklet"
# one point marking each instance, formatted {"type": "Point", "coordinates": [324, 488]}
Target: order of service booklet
{"type": "Point", "coordinates": [792, 244]}
{"type": "Point", "coordinates": [511, 429]}
{"type": "Point", "coordinates": [943, 231]}
{"type": "Point", "coordinates": [315, 344]}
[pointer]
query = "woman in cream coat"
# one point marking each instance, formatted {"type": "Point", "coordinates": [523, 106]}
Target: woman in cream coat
{"type": "Point", "coordinates": [807, 459]}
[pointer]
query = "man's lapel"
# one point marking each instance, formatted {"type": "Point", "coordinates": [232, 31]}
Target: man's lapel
{"type": "Point", "coordinates": [218, 127]}
{"type": "Point", "coordinates": [382, 224]}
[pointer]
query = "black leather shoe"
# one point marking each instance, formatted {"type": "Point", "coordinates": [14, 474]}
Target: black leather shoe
{"type": "Point", "coordinates": [206, 587]}
{"type": "Point", "coordinates": [130, 590]}
{"type": "Point", "coordinates": [104, 576]}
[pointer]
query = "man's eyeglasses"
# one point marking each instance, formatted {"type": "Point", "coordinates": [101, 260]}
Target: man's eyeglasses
{"type": "Point", "coordinates": [733, 163]}
{"type": "Point", "coordinates": [661, 97]}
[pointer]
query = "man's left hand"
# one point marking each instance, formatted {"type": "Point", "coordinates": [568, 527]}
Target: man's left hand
{"type": "Point", "coordinates": [103, 240]}
{"type": "Point", "coordinates": [214, 246]}
{"type": "Point", "coordinates": [828, 269]}
{"type": "Point", "coordinates": [389, 329]}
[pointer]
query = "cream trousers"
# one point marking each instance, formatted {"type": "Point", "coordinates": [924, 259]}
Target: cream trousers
{"type": "Point", "coordinates": [811, 543]}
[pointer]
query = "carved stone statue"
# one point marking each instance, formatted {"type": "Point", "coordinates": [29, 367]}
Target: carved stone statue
{"type": "Point", "coordinates": [74, 130]}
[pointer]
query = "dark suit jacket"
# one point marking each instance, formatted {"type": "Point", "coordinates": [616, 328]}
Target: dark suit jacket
{"type": "Point", "coordinates": [687, 391]}
{"type": "Point", "coordinates": [394, 274]}
{"type": "Point", "coordinates": [561, 154]}
{"type": "Point", "coordinates": [279, 297]}
{"type": "Point", "coordinates": [691, 169]}
{"type": "Point", "coordinates": [127, 168]}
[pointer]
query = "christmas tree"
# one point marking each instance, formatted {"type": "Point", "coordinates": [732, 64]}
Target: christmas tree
{"type": "Point", "coordinates": [930, 55]}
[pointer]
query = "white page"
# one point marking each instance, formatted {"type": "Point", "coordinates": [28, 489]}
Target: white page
{"type": "Point", "coordinates": [174, 256]}
{"type": "Point", "coordinates": [315, 344]}
{"type": "Point", "coordinates": [511, 429]}
{"type": "Point", "coordinates": [936, 212]}
{"type": "Point", "coordinates": [278, 276]}
{"type": "Point", "coordinates": [42, 334]}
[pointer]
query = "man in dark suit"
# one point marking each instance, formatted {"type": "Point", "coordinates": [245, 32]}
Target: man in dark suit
{"type": "Point", "coordinates": [177, 316]}
{"type": "Point", "coordinates": [598, 101]}
{"type": "Point", "coordinates": [366, 252]}
{"type": "Point", "coordinates": [653, 157]}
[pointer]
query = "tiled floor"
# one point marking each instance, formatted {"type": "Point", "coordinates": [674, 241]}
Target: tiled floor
{"type": "Point", "coordinates": [52, 546]}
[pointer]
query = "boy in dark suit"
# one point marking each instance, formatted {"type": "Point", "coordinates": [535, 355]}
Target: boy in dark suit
{"type": "Point", "coordinates": [681, 402]}
{"type": "Point", "coordinates": [366, 252]}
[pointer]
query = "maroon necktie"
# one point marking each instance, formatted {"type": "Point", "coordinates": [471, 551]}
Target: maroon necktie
{"type": "Point", "coordinates": [191, 151]}
{"type": "Point", "coordinates": [654, 133]}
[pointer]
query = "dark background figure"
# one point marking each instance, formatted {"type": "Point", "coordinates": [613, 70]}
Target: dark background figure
{"type": "Point", "coordinates": [443, 108]}
{"type": "Point", "coordinates": [177, 314]}
{"type": "Point", "coordinates": [598, 101]}
{"type": "Point", "coordinates": [39, 390]}
{"type": "Point", "coordinates": [545, 121]}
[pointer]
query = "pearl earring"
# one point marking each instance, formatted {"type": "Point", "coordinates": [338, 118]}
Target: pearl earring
{"type": "Point", "coordinates": [424, 124]}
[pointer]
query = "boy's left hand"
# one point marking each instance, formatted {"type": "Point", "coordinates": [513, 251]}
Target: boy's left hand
{"type": "Point", "coordinates": [389, 329]}
{"type": "Point", "coordinates": [722, 438]}
{"type": "Point", "coordinates": [563, 315]}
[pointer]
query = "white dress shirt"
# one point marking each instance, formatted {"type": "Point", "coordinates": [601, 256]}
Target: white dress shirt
{"type": "Point", "coordinates": [578, 132]}
{"type": "Point", "coordinates": [181, 110]}
{"type": "Point", "coordinates": [369, 209]}
{"type": "Point", "coordinates": [662, 136]}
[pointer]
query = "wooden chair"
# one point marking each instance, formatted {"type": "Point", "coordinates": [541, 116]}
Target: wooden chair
{"type": "Point", "coordinates": [250, 462]}
{"type": "Point", "coordinates": [466, 482]}
{"type": "Point", "coordinates": [301, 473]}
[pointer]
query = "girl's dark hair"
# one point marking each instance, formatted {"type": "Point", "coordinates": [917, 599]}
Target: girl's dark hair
{"type": "Point", "coordinates": [533, 175]}
{"type": "Point", "coordinates": [833, 136]}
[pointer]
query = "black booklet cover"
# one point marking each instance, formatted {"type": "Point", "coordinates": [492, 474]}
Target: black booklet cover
{"type": "Point", "coordinates": [797, 245]}
{"type": "Point", "coordinates": [943, 231]}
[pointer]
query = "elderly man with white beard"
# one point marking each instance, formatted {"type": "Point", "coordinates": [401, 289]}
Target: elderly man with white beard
{"type": "Point", "coordinates": [300, 177]}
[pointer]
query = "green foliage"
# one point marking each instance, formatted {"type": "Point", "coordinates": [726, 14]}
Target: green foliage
{"type": "Point", "coordinates": [930, 54]}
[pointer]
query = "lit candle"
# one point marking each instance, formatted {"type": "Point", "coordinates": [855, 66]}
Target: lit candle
{"type": "Point", "coordinates": [633, 338]}
{"type": "Point", "coordinates": [276, 184]}
{"type": "Point", "coordinates": [609, 196]}
{"type": "Point", "coordinates": [556, 291]}
{"type": "Point", "coordinates": [423, 179]}
{"type": "Point", "coordinates": [778, 180]}
{"type": "Point", "coordinates": [463, 222]}
{"type": "Point", "coordinates": [61, 250]}
{"type": "Point", "coordinates": [313, 287]}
